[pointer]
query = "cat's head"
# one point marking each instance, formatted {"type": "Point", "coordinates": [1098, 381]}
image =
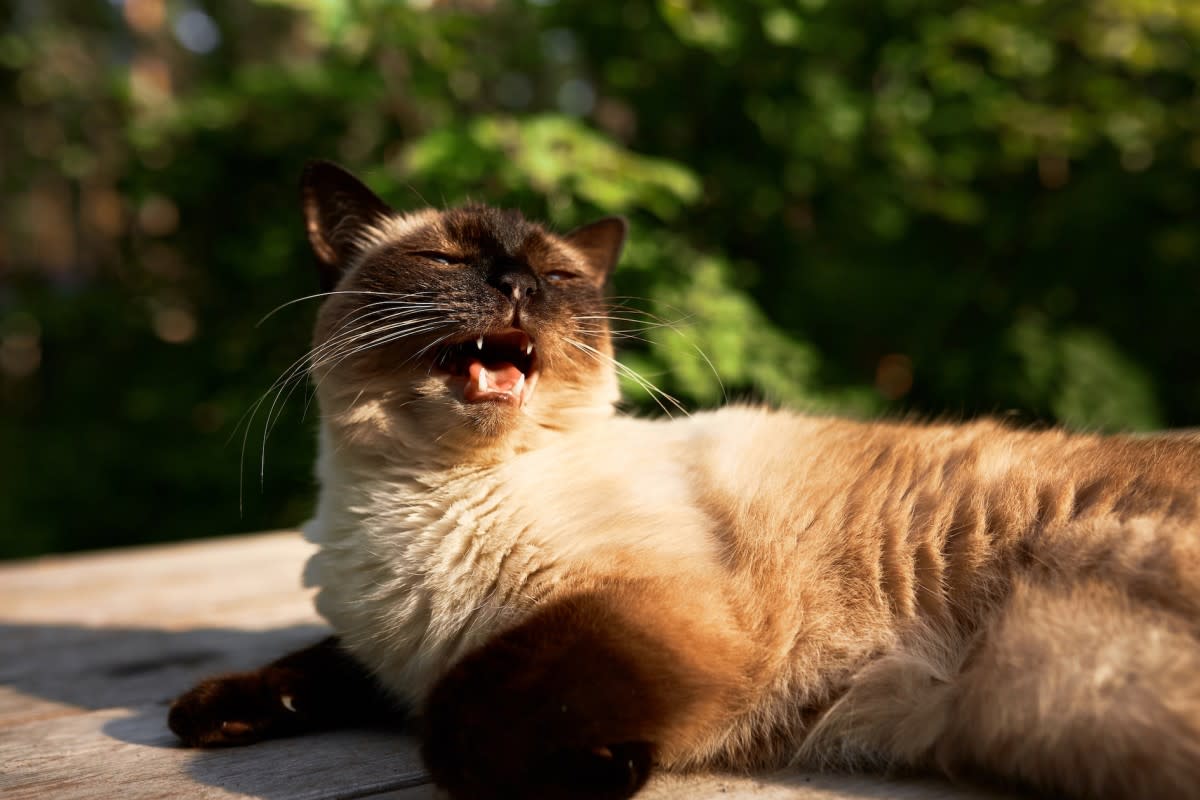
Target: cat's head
{"type": "Point", "coordinates": [466, 327]}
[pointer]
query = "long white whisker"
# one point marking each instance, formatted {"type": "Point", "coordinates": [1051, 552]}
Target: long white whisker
{"type": "Point", "coordinates": [383, 307]}
{"type": "Point", "coordinates": [386, 340]}
{"type": "Point", "coordinates": [632, 374]}
{"type": "Point", "coordinates": [408, 328]}
{"type": "Point", "coordinates": [614, 334]}
{"type": "Point", "coordinates": [341, 340]}
{"type": "Point", "coordinates": [673, 327]}
{"type": "Point", "coordinates": [301, 366]}
{"type": "Point", "coordinates": [394, 337]}
{"type": "Point", "coordinates": [282, 306]}
{"type": "Point", "coordinates": [341, 336]}
{"type": "Point", "coordinates": [641, 324]}
{"type": "Point", "coordinates": [404, 332]}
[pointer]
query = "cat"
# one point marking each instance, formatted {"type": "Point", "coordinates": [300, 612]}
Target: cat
{"type": "Point", "coordinates": [564, 599]}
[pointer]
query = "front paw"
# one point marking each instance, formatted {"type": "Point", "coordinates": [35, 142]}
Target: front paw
{"type": "Point", "coordinates": [608, 772]}
{"type": "Point", "coordinates": [565, 705]}
{"type": "Point", "coordinates": [233, 710]}
{"type": "Point", "coordinates": [468, 762]}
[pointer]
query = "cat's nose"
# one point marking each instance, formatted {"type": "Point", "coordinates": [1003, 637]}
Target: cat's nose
{"type": "Point", "coordinates": [517, 286]}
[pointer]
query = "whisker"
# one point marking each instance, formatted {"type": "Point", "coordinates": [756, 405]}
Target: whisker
{"type": "Point", "coordinates": [339, 346]}
{"type": "Point", "coordinates": [301, 366]}
{"type": "Point", "coordinates": [673, 328]}
{"type": "Point", "coordinates": [340, 356]}
{"type": "Point", "coordinates": [632, 374]}
{"type": "Point", "coordinates": [339, 337]}
{"type": "Point", "coordinates": [388, 305]}
{"type": "Point", "coordinates": [392, 338]}
{"type": "Point", "coordinates": [318, 295]}
{"type": "Point", "coordinates": [637, 327]}
{"type": "Point", "coordinates": [405, 328]}
{"type": "Point", "coordinates": [414, 327]}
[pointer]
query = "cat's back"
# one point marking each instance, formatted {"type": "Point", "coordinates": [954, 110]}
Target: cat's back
{"type": "Point", "coordinates": [801, 468]}
{"type": "Point", "coordinates": [901, 521]}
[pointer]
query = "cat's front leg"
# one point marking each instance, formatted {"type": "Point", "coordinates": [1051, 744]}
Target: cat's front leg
{"type": "Point", "coordinates": [317, 688]}
{"type": "Point", "coordinates": [582, 698]}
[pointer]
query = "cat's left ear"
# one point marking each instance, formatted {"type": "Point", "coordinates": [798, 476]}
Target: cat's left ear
{"type": "Point", "coordinates": [600, 242]}
{"type": "Point", "coordinates": [338, 208]}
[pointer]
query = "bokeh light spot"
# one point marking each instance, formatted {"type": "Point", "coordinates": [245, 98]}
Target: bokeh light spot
{"type": "Point", "coordinates": [174, 324]}
{"type": "Point", "coordinates": [894, 376]}
{"type": "Point", "coordinates": [576, 97]}
{"type": "Point", "coordinates": [196, 31]}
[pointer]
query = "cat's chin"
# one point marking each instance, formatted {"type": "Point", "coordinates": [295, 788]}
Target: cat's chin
{"type": "Point", "coordinates": [454, 412]}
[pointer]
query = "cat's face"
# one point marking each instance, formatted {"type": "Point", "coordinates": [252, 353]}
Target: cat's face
{"type": "Point", "coordinates": [461, 324]}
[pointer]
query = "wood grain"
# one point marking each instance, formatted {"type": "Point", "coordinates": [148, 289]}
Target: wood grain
{"type": "Point", "coordinates": [93, 647]}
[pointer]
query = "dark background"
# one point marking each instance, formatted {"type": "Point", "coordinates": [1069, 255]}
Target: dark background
{"type": "Point", "coordinates": [935, 208]}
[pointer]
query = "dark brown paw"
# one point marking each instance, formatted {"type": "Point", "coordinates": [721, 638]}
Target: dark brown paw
{"type": "Point", "coordinates": [609, 772]}
{"type": "Point", "coordinates": [612, 771]}
{"type": "Point", "coordinates": [558, 707]}
{"type": "Point", "coordinates": [234, 710]}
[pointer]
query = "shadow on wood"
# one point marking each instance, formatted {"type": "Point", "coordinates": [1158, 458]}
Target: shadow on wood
{"type": "Point", "coordinates": [83, 711]}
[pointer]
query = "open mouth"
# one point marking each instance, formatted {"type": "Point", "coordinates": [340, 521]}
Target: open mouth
{"type": "Point", "coordinates": [495, 368]}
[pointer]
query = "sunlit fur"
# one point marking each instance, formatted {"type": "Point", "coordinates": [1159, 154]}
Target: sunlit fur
{"type": "Point", "coordinates": [972, 598]}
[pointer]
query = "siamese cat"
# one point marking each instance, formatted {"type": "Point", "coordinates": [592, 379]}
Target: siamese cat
{"type": "Point", "coordinates": [563, 598]}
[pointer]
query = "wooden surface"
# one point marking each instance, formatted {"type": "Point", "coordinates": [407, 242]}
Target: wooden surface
{"type": "Point", "coordinates": [94, 647]}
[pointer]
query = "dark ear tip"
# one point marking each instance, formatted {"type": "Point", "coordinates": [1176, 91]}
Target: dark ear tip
{"type": "Point", "coordinates": [619, 221]}
{"type": "Point", "coordinates": [622, 226]}
{"type": "Point", "coordinates": [317, 168]}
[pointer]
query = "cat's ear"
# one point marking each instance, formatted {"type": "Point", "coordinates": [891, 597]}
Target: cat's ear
{"type": "Point", "coordinates": [338, 208]}
{"type": "Point", "coordinates": [600, 242]}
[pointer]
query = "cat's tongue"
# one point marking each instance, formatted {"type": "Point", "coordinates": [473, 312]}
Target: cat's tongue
{"type": "Point", "coordinates": [491, 383]}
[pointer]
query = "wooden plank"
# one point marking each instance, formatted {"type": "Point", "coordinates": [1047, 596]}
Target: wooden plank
{"type": "Point", "coordinates": [93, 647]}
{"type": "Point", "coordinates": [250, 582]}
{"type": "Point", "coordinates": [129, 753]}
{"type": "Point", "coordinates": [119, 629]}
{"type": "Point", "coordinates": [48, 671]}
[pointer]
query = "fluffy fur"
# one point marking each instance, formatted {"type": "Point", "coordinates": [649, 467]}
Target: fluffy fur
{"type": "Point", "coordinates": [568, 596]}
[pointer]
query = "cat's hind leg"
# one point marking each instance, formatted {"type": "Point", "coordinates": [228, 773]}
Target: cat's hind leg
{"type": "Point", "coordinates": [1079, 690]}
{"type": "Point", "coordinates": [318, 688]}
{"type": "Point", "coordinates": [1072, 688]}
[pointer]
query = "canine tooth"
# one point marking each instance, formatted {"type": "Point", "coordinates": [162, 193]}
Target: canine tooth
{"type": "Point", "coordinates": [519, 385]}
{"type": "Point", "coordinates": [479, 343]}
{"type": "Point", "coordinates": [483, 380]}
{"type": "Point", "coordinates": [528, 348]}
{"type": "Point", "coordinates": [286, 699]}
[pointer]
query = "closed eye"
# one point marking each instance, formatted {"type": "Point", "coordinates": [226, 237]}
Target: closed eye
{"type": "Point", "coordinates": [440, 258]}
{"type": "Point", "coordinates": [558, 275]}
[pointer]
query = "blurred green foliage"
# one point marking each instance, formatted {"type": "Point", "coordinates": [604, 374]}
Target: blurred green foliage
{"type": "Point", "coordinates": [897, 207]}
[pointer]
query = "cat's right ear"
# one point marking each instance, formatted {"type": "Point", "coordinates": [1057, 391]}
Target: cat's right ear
{"type": "Point", "coordinates": [338, 208]}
